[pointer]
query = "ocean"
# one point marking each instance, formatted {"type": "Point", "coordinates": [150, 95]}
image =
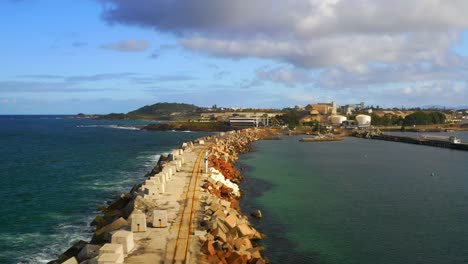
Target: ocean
{"type": "Point", "coordinates": [358, 201]}
{"type": "Point", "coordinates": [55, 172]}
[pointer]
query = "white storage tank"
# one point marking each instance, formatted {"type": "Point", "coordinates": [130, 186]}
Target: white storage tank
{"type": "Point", "coordinates": [337, 119]}
{"type": "Point", "coordinates": [363, 120]}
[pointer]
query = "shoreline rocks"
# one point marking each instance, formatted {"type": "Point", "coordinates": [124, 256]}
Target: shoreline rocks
{"type": "Point", "coordinates": [229, 237]}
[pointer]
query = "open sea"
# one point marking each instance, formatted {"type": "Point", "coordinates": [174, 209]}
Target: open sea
{"type": "Point", "coordinates": [358, 201]}
{"type": "Point", "coordinates": [55, 172]}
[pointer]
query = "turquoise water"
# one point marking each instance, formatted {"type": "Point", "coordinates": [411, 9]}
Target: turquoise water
{"type": "Point", "coordinates": [55, 172]}
{"type": "Point", "coordinates": [358, 201]}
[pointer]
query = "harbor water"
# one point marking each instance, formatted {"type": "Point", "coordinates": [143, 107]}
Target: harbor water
{"type": "Point", "coordinates": [358, 201]}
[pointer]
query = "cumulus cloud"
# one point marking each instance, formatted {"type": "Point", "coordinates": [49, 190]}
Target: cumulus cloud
{"type": "Point", "coordinates": [306, 33]}
{"type": "Point", "coordinates": [127, 46]}
{"type": "Point", "coordinates": [288, 76]}
{"type": "Point", "coordinates": [336, 44]}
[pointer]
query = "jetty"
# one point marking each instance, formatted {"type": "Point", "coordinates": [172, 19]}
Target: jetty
{"type": "Point", "coordinates": [185, 211]}
{"type": "Point", "coordinates": [452, 143]}
{"type": "Point", "coordinates": [320, 139]}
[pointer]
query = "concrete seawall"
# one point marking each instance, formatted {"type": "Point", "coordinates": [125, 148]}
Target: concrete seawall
{"type": "Point", "coordinates": [426, 142]}
{"type": "Point", "coordinates": [185, 211]}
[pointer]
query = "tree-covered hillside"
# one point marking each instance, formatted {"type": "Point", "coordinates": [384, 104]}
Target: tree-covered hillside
{"type": "Point", "coordinates": [165, 109]}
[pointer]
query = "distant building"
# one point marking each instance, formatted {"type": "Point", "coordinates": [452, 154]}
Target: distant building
{"type": "Point", "coordinates": [322, 108]}
{"type": "Point", "coordinates": [351, 124]}
{"type": "Point", "coordinates": [250, 121]}
{"type": "Point", "coordinates": [349, 108]}
{"type": "Point", "coordinates": [243, 122]}
{"type": "Point", "coordinates": [225, 116]}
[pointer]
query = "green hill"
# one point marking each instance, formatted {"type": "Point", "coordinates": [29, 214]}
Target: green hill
{"type": "Point", "coordinates": [165, 111]}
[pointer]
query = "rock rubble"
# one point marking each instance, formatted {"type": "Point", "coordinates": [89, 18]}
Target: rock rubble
{"type": "Point", "coordinates": [227, 235]}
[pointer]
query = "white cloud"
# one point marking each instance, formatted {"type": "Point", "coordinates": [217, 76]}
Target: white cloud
{"type": "Point", "coordinates": [285, 75]}
{"type": "Point", "coordinates": [128, 46]}
{"type": "Point", "coordinates": [365, 44]}
{"type": "Point", "coordinates": [307, 33]}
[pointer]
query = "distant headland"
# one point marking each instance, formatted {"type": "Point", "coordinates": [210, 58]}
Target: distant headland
{"type": "Point", "coordinates": [319, 117]}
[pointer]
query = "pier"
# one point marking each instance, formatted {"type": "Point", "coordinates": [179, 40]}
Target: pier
{"type": "Point", "coordinates": [422, 141]}
{"type": "Point", "coordinates": [186, 211]}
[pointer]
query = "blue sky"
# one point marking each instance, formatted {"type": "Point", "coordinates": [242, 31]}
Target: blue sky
{"type": "Point", "coordinates": [101, 56]}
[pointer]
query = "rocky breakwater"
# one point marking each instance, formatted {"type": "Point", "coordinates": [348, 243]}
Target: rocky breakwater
{"type": "Point", "coordinates": [225, 233]}
{"type": "Point", "coordinates": [135, 227]}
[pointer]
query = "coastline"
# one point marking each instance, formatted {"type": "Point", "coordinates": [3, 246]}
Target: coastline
{"type": "Point", "coordinates": [221, 234]}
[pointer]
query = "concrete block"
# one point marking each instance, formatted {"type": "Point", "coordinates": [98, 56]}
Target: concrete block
{"type": "Point", "coordinates": [160, 218]}
{"type": "Point", "coordinates": [177, 165]}
{"type": "Point", "coordinates": [138, 222]}
{"type": "Point", "coordinates": [150, 197]}
{"type": "Point", "coordinates": [110, 248]}
{"type": "Point", "coordinates": [87, 252]}
{"type": "Point", "coordinates": [161, 187]}
{"type": "Point", "coordinates": [181, 151]}
{"type": "Point", "coordinates": [156, 179]}
{"type": "Point", "coordinates": [150, 182]}
{"type": "Point", "coordinates": [109, 258]}
{"type": "Point", "coordinates": [151, 189]}
{"type": "Point", "coordinates": [169, 175]}
{"type": "Point", "coordinates": [201, 142]}
{"type": "Point", "coordinates": [181, 158]}
{"type": "Point", "coordinates": [161, 176]}
{"type": "Point", "coordinates": [71, 260]}
{"type": "Point", "coordinates": [125, 238]}
{"type": "Point", "coordinates": [168, 169]}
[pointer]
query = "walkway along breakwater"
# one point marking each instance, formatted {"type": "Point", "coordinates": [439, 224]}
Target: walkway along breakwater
{"type": "Point", "coordinates": [186, 211]}
{"type": "Point", "coordinates": [419, 141]}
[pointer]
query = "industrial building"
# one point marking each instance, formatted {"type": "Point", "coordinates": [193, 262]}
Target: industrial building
{"type": "Point", "coordinates": [349, 108]}
{"type": "Point", "coordinates": [253, 121]}
{"type": "Point", "coordinates": [322, 108]}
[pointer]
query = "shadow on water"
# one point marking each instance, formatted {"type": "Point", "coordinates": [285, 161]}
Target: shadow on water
{"type": "Point", "coordinates": [276, 231]}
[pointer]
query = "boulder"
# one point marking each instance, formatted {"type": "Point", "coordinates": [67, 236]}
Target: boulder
{"type": "Point", "coordinates": [91, 261]}
{"type": "Point", "coordinates": [257, 214]}
{"type": "Point", "coordinates": [236, 258]}
{"type": "Point", "coordinates": [72, 251]}
{"type": "Point", "coordinates": [103, 235]}
{"type": "Point", "coordinates": [245, 230]}
{"type": "Point", "coordinates": [242, 244]}
{"type": "Point", "coordinates": [70, 261]}
{"type": "Point", "coordinates": [230, 221]}
{"type": "Point", "coordinates": [219, 234]}
{"type": "Point", "coordinates": [207, 248]}
{"type": "Point", "coordinates": [88, 252]}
